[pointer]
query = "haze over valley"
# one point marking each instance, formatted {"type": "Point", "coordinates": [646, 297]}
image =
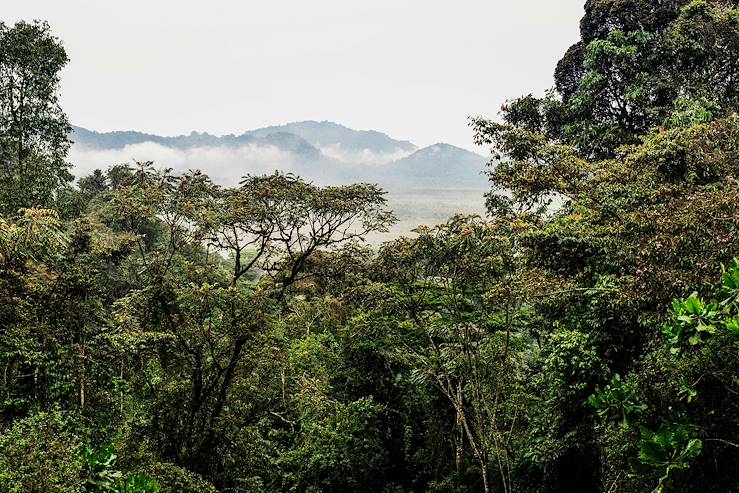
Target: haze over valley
{"type": "Point", "coordinates": [425, 185]}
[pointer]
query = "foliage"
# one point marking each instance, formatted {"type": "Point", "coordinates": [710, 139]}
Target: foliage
{"type": "Point", "coordinates": [692, 321]}
{"type": "Point", "coordinates": [246, 338]}
{"type": "Point", "coordinates": [137, 484]}
{"type": "Point", "coordinates": [617, 400]}
{"type": "Point", "coordinates": [39, 453]}
{"type": "Point", "coordinates": [170, 477]}
{"type": "Point", "coordinates": [99, 467]}
{"type": "Point", "coordinates": [668, 450]}
{"type": "Point", "coordinates": [638, 64]}
{"type": "Point", "coordinates": [341, 452]}
{"type": "Point", "coordinates": [33, 128]}
{"type": "Point", "coordinates": [102, 475]}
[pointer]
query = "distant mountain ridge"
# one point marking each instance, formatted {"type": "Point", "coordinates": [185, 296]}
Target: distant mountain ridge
{"type": "Point", "coordinates": [120, 139]}
{"type": "Point", "coordinates": [325, 133]}
{"type": "Point", "coordinates": [316, 134]}
{"type": "Point", "coordinates": [323, 151]}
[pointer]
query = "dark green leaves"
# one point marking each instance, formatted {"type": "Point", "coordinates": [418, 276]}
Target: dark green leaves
{"type": "Point", "coordinates": [33, 128]}
{"type": "Point", "coordinates": [666, 451]}
{"type": "Point", "coordinates": [617, 401]}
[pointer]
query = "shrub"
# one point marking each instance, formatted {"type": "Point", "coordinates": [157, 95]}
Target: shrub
{"type": "Point", "coordinates": [40, 453]}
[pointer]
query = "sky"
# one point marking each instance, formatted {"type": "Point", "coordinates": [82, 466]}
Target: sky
{"type": "Point", "coordinates": [414, 69]}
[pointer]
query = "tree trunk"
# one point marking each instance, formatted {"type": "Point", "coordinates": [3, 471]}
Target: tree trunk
{"type": "Point", "coordinates": [82, 374]}
{"type": "Point", "coordinates": [121, 383]}
{"type": "Point", "coordinates": [485, 479]}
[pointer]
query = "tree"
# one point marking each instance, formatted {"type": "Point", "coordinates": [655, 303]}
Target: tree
{"type": "Point", "coordinates": [33, 128]}
{"type": "Point", "coordinates": [39, 453]}
{"type": "Point", "coordinates": [635, 62]}
{"type": "Point", "coordinates": [209, 313]}
{"type": "Point", "coordinates": [625, 237]}
{"type": "Point", "coordinates": [460, 324]}
{"type": "Point", "coordinates": [93, 184]}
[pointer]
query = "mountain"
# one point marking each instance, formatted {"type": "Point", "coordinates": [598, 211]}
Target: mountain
{"type": "Point", "coordinates": [322, 151]}
{"type": "Point", "coordinates": [90, 139]}
{"type": "Point", "coordinates": [326, 135]}
{"type": "Point", "coordinates": [439, 165]}
{"type": "Point", "coordinates": [319, 135]}
{"type": "Point", "coordinates": [425, 186]}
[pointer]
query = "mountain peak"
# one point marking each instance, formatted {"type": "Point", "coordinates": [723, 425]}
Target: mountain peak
{"type": "Point", "coordinates": [443, 147]}
{"type": "Point", "coordinates": [328, 134]}
{"type": "Point", "coordinates": [323, 150]}
{"type": "Point", "coordinates": [442, 161]}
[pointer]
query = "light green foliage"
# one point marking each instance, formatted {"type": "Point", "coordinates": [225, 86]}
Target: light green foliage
{"type": "Point", "coordinates": [692, 320]}
{"type": "Point", "coordinates": [100, 468]}
{"type": "Point", "coordinates": [39, 453]}
{"type": "Point", "coordinates": [729, 292]}
{"type": "Point", "coordinates": [137, 484]}
{"type": "Point", "coordinates": [37, 234]}
{"type": "Point", "coordinates": [687, 392]}
{"type": "Point", "coordinates": [689, 112]}
{"type": "Point", "coordinates": [104, 477]}
{"type": "Point", "coordinates": [733, 325]}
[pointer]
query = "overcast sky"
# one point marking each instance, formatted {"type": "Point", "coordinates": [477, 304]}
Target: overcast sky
{"type": "Point", "coordinates": [414, 69]}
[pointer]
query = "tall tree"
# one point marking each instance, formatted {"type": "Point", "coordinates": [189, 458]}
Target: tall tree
{"type": "Point", "coordinates": [33, 128]}
{"type": "Point", "coordinates": [636, 62]}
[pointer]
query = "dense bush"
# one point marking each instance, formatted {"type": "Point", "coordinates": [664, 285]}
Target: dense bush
{"type": "Point", "coordinates": [41, 453]}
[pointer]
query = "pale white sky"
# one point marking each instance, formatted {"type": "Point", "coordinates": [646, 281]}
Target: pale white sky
{"type": "Point", "coordinates": [414, 69]}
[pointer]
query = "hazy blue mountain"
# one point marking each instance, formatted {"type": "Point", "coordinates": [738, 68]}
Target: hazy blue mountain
{"type": "Point", "coordinates": [439, 165]}
{"type": "Point", "coordinates": [120, 139]}
{"type": "Point", "coordinates": [326, 134]}
{"type": "Point", "coordinates": [425, 186]}
{"type": "Point", "coordinates": [290, 142]}
{"type": "Point", "coordinates": [323, 151]}
{"type": "Point", "coordinates": [319, 135]}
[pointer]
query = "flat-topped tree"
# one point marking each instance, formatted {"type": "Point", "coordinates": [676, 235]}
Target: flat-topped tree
{"type": "Point", "coordinates": [276, 222]}
{"type": "Point", "coordinates": [208, 239]}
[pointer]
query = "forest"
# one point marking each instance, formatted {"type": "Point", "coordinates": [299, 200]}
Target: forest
{"type": "Point", "coordinates": [162, 333]}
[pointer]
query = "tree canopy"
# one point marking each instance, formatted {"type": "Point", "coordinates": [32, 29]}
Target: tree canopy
{"type": "Point", "coordinates": [33, 128]}
{"type": "Point", "coordinates": [161, 332]}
